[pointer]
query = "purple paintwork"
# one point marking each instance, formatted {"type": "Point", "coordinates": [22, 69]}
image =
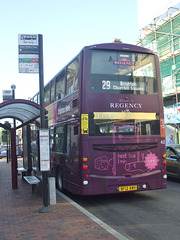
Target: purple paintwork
{"type": "Point", "coordinates": [116, 160]}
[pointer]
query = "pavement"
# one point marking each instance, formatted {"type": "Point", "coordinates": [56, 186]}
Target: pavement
{"type": "Point", "coordinates": [20, 219]}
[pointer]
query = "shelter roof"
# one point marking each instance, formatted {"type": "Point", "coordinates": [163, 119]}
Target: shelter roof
{"type": "Point", "coordinates": [23, 110]}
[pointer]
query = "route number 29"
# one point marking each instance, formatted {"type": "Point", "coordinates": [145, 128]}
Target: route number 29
{"type": "Point", "coordinates": [106, 84]}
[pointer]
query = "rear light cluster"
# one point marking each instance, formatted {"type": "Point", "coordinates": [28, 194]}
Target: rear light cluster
{"type": "Point", "coordinates": [164, 163]}
{"type": "Point", "coordinates": [165, 176]}
{"type": "Point", "coordinates": [85, 168]}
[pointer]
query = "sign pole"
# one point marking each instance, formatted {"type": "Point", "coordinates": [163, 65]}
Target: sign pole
{"type": "Point", "coordinates": [45, 207]}
{"type": "Point", "coordinates": [30, 49]}
{"type": "Point", "coordinates": [41, 81]}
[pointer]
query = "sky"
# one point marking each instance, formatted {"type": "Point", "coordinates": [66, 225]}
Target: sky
{"type": "Point", "coordinates": [149, 9]}
{"type": "Point", "coordinates": [67, 26]}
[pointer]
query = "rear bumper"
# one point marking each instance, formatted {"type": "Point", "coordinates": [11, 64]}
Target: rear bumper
{"type": "Point", "coordinates": [114, 184]}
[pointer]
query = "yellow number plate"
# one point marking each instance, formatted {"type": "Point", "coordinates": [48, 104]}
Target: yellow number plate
{"type": "Point", "coordinates": [127, 188]}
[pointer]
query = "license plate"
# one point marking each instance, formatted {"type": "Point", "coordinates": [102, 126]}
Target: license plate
{"type": "Point", "coordinates": [127, 188]}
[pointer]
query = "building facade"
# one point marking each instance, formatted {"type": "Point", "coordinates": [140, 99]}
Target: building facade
{"type": "Point", "coordinates": [162, 36]}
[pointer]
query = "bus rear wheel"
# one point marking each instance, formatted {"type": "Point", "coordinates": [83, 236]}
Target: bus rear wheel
{"type": "Point", "coordinates": [59, 180]}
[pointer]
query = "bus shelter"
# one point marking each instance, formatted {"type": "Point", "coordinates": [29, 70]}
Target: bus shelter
{"type": "Point", "coordinates": [25, 112]}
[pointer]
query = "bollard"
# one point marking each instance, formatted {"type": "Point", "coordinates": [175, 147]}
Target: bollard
{"type": "Point", "coordinates": [52, 191]}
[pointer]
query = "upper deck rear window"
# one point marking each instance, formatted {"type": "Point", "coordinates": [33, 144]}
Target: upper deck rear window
{"type": "Point", "coordinates": [122, 72]}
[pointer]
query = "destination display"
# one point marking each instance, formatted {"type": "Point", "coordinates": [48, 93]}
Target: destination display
{"type": "Point", "coordinates": [121, 85]}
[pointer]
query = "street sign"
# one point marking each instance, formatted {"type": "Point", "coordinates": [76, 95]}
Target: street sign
{"type": "Point", "coordinates": [7, 95]}
{"type": "Point", "coordinates": [28, 53]}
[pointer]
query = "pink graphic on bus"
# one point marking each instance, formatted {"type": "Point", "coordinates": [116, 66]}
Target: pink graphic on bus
{"type": "Point", "coordinates": [101, 163]}
{"type": "Point", "coordinates": [151, 161]}
{"type": "Point", "coordinates": [124, 61]}
{"type": "Point", "coordinates": [129, 160]}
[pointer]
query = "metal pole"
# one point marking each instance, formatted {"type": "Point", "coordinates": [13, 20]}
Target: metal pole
{"type": "Point", "coordinates": [7, 135]}
{"type": "Point", "coordinates": [42, 122]}
{"type": "Point", "coordinates": [13, 87]}
{"type": "Point", "coordinates": [14, 159]}
{"type": "Point", "coordinates": [176, 93]}
{"type": "Point", "coordinates": [41, 81]}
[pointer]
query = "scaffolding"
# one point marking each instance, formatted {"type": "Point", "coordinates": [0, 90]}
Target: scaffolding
{"type": "Point", "coordinates": [163, 37]}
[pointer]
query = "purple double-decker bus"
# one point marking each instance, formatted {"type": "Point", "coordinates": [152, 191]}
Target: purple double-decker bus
{"type": "Point", "coordinates": [106, 120]}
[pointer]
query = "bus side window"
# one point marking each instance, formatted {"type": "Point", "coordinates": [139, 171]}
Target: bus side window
{"type": "Point", "coordinates": [51, 139]}
{"type": "Point", "coordinates": [47, 96]}
{"type": "Point", "coordinates": [68, 139]}
{"type": "Point", "coordinates": [75, 142]}
{"type": "Point", "coordinates": [60, 86]}
{"type": "Point", "coordinates": [72, 77]}
{"type": "Point", "coordinates": [76, 130]}
{"type": "Point", "coordinates": [52, 91]}
{"type": "Point", "coordinates": [59, 139]}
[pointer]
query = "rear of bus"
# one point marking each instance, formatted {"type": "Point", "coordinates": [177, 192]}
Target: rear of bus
{"type": "Point", "coordinates": [122, 137]}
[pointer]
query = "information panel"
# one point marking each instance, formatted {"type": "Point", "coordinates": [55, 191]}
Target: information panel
{"type": "Point", "coordinates": [28, 53]}
{"type": "Point", "coordinates": [7, 95]}
{"type": "Point", "coordinates": [44, 150]}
